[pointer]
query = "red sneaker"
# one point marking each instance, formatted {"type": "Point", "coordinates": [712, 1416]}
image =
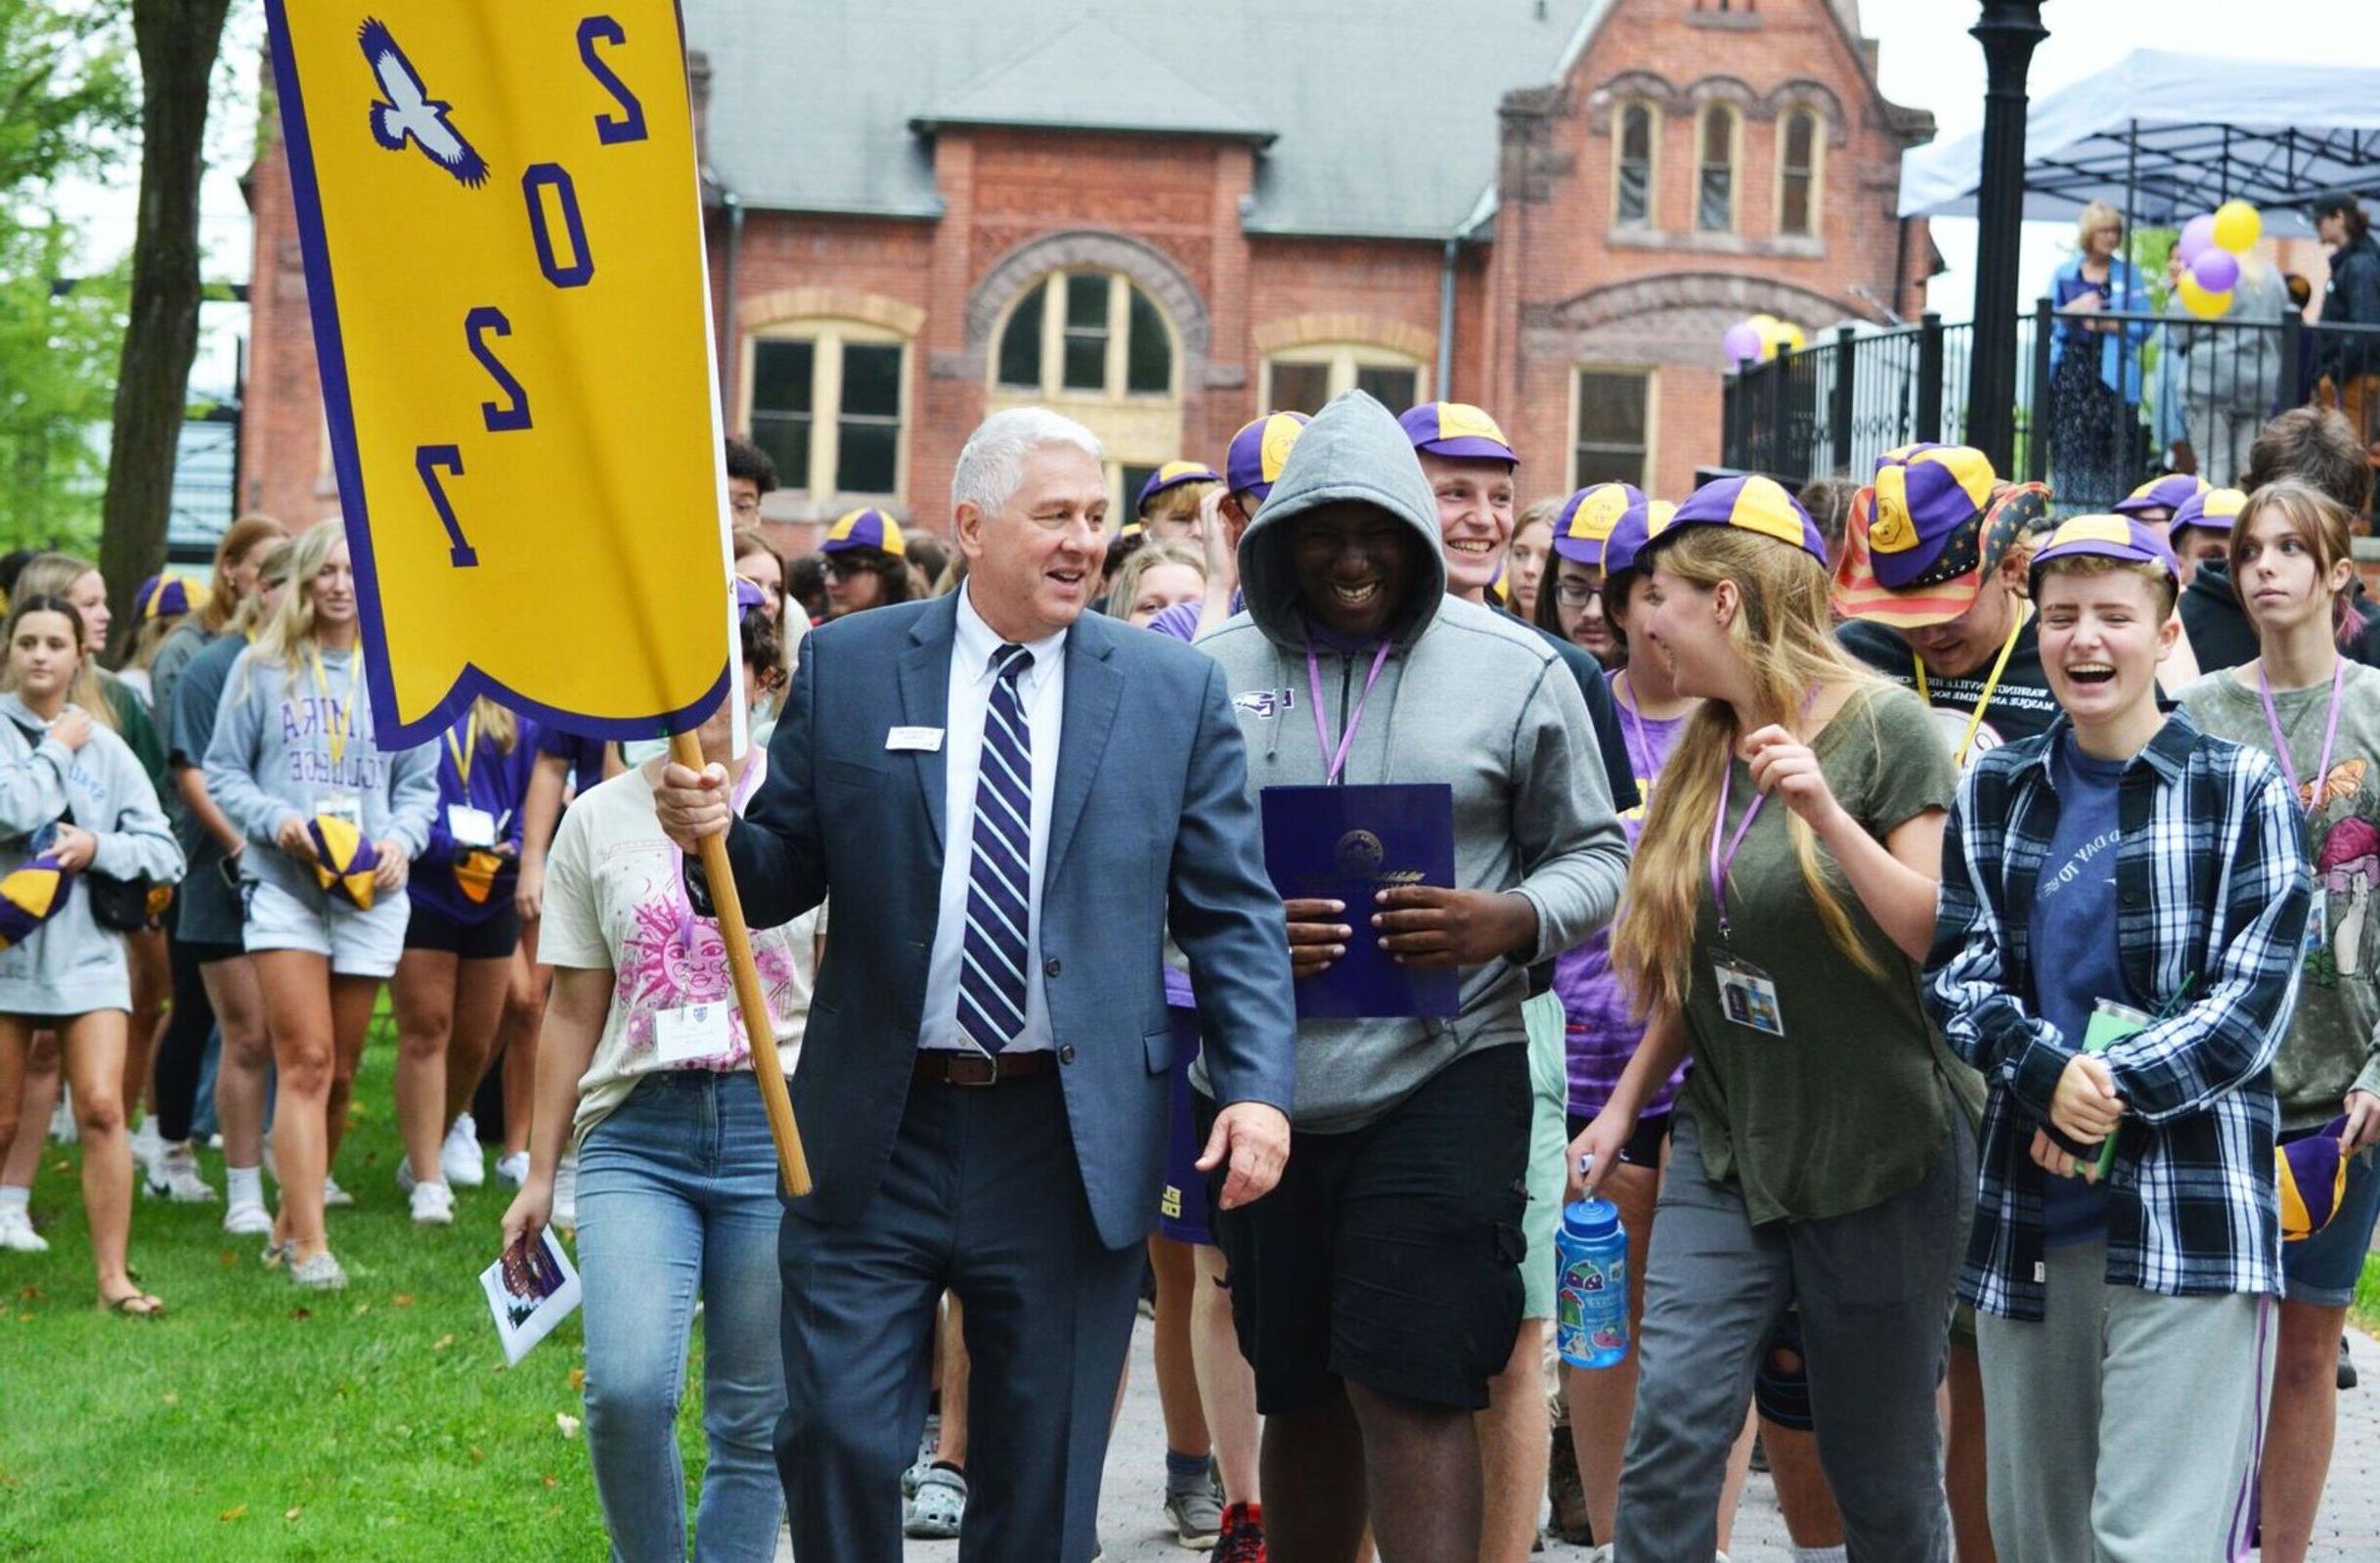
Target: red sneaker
{"type": "Point", "coordinates": [1242, 1537]}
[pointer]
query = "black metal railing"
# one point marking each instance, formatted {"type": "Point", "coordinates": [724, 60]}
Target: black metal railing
{"type": "Point", "coordinates": [2175, 395]}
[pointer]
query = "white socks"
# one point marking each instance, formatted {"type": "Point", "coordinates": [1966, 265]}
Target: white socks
{"type": "Point", "coordinates": [244, 1185]}
{"type": "Point", "coordinates": [14, 1198]}
{"type": "Point", "coordinates": [1821, 1554]}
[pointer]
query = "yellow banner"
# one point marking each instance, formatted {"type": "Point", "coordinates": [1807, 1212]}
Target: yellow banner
{"type": "Point", "coordinates": [501, 216]}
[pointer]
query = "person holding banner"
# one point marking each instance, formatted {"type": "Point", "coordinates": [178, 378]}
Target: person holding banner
{"type": "Point", "coordinates": [333, 825]}
{"type": "Point", "coordinates": [983, 1100]}
{"type": "Point", "coordinates": [76, 801]}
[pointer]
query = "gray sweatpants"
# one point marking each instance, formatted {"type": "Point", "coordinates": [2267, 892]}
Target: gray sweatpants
{"type": "Point", "coordinates": [1874, 1289]}
{"type": "Point", "coordinates": [2125, 1425]}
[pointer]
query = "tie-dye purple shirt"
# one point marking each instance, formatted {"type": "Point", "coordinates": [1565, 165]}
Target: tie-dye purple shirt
{"type": "Point", "coordinates": [1600, 1033]}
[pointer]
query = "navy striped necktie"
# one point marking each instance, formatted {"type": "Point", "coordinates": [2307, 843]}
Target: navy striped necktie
{"type": "Point", "coordinates": [992, 969]}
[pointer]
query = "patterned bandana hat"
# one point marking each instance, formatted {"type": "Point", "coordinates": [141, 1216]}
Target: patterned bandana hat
{"type": "Point", "coordinates": [343, 859]}
{"type": "Point", "coordinates": [1924, 536]}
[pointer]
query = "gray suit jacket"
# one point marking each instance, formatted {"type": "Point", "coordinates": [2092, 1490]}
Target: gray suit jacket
{"type": "Point", "coordinates": [1151, 823]}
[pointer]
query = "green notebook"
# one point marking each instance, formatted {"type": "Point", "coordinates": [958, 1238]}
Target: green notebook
{"type": "Point", "coordinates": [2110, 1024]}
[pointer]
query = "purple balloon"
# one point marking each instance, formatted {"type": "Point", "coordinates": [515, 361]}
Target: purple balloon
{"type": "Point", "coordinates": [2197, 238]}
{"type": "Point", "coordinates": [2217, 270]}
{"type": "Point", "coordinates": [1742, 343]}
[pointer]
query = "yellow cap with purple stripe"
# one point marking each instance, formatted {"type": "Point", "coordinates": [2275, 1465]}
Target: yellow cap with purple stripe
{"type": "Point", "coordinates": [1173, 474]}
{"type": "Point", "coordinates": [2161, 497]}
{"type": "Point", "coordinates": [1588, 516]}
{"type": "Point", "coordinates": [2116, 537]}
{"type": "Point", "coordinates": [2217, 510]}
{"type": "Point", "coordinates": [1457, 430]}
{"type": "Point", "coordinates": [1259, 450]}
{"type": "Point", "coordinates": [1753, 504]}
{"type": "Point", "coordinates": [865, 529]}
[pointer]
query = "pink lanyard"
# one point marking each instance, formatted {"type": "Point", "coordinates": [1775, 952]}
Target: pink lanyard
{"type": "Point", "coordinates": [754, 770]}
{"type": "Point", "coordinates": [1338, 762]}
{"type": "Point", "coordinates": [1719, 864]}
{"type": "Point", "coordinates": [2281, 741]}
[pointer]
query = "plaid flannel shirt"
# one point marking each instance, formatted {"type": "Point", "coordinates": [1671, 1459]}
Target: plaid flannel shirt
{"type": "Point", "coordinates": [2212, 896]}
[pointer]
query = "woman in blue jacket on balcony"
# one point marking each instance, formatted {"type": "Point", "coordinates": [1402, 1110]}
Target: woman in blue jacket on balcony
{"type": "Point", "coordinates": [2095, 367]}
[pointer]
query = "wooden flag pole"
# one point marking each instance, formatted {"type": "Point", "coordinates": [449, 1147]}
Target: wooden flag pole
{"type": "Point", "coordinates": [750, 997]}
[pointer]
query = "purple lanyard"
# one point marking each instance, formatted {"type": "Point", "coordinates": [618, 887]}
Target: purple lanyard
{"type": "Point", "coordinates": [2281, 741]}
{"type": "Point", "coordinates": [1337, 761]}
{"type": "Point", "coordinates": [1719, 864]}
{"type": "Point", "coordinates": [754, 769]}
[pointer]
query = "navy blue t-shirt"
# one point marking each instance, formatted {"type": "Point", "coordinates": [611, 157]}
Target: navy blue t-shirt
{"type": "Point", "coordinates": [2074, 913]}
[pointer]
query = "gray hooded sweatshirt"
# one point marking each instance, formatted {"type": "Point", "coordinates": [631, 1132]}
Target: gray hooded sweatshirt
{"type": "Point", "coordinates": [70, 965]}
{"type": "Point", "coordinates": [1467, 697]}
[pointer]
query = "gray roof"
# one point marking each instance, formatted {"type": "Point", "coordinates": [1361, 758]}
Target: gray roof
{"type": "Point", "coordinates": [1385, 116]}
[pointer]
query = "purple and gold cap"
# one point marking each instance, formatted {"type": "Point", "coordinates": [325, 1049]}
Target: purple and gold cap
{"type": "Point", "coordinates": [1259, 452]}
{"type": "Point", "coordinates": [344, 858]}
{"type": "Point", "coordinates": [1754, 504]}
{"type": "Point", "coordinates": [2311, 1173]}
{"type": "Point", "coordinates": [2217, 510]}
{"type": "Point", "coordinates": [1638, 525]}
{"type": "Point", "coordinates": [32, 895]}
{"type": "Point", "coordinates": [1457, 430]}
{"type": "Point", "coordinates": [165, 597]}
{"type": "Point", "coordinates": [865, 528]}
{"type": "Point", "coordinates": [2117, 537]}
{"type": "Point", "coordinates": [2167, 494]}
{"type": "Point", "coordinates": [749, 595]}
{"type": "Point", "coordinates": [1587, 519]}
{"type": "Point", "coordinates": [1173, 474]}
{"type": "Point", "coordinates": [1927, 520]}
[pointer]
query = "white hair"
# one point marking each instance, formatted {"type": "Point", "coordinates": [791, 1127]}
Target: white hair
{"type": "Point", "coordinates": [993, 463]}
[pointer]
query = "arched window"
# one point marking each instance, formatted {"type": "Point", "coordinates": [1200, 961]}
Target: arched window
{"type": "Point", "coordinates": [826, 400]}
{"type": "Point", "coordinates": [1632, 175]}
{"type": "Point", "coordinates": [1087, 332]}
{"type": "Point", "coordinates": [1797, 154]}
{"type": "Point", "coordinates": [1715, 188]}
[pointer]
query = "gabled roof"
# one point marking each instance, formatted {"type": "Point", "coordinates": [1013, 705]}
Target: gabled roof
{"type": "Point", "coordinates": [1089, 77]}
{"type": "Point", "coordinates": [1386, 116]}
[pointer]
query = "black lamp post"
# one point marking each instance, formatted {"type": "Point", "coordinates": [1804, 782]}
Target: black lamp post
{"type": "Point", "coordinates": [2009, 32]}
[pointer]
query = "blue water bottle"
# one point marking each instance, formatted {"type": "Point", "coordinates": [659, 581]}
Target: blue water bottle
{"type": "Point", "coordinates": [1591, 1302]}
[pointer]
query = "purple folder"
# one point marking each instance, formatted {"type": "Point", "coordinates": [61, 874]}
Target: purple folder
{"type": "Point", "coordinates": [1346, 843]}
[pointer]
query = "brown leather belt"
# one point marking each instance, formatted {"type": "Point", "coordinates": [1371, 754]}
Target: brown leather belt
{"type": "Point", "coordinates": [964, 1066]}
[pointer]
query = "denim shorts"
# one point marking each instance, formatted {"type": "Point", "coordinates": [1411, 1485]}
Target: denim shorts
{"type": "Point", "coordinates": [358, 943]}
{"type": "Point", "coordinates": [2321, 1271]}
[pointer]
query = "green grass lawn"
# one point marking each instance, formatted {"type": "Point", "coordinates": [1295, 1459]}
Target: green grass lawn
{"type": "Point", "coordinates": [2367, 1296]}
{"type": "Point", "coordinates": [258, 1421]}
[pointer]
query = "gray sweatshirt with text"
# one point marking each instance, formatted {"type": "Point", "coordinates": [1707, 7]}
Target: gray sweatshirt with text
{"type": "Point", "coordinates": [1467, 697]}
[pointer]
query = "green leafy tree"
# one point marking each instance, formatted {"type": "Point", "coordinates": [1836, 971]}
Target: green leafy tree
{"type": "Point", "coordinates": [66, 99]}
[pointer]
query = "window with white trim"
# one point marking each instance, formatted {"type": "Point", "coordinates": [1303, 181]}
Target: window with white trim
{"type": "Point", "coordinates": [1085, 333]}
{"type": "Point", "coordinates": [1797, 154]}
{"type": "Point", "coordinates": [1613, 435]}
{"type": "Point", "coordinates": [1303, 378]}
{"type": "Point", "coordinates": [825, 400]}
{"type": "Point", "coordinates": [1715, 169]}
{"type": "Point", "coordinates": [1631, 166]}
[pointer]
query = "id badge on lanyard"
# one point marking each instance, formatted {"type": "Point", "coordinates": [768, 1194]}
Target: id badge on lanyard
{"type": "Point", "coordinates": [1747, 994]}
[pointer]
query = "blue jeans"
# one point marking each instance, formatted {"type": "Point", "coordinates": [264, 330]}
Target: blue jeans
{"type": "Point", "coordinates": [676, 1198]}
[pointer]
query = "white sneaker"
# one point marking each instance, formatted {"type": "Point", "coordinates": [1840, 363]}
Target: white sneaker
{"type": "Point", "coordinates": [17, 1233]}
{"type": "Point", "coordinates": [333, 1194]}
{"type": "Point", "coordinates": [566, 1192]}
{"type": "Point", "coordinates": [407, 1182]}
{"type": "Point", "coordinates": [61, 1120]}
{"type": "Point", "coordinates": [321, 1273]}
{"type": "Point", "coordinates": [248, 1219]}
{"type": "Point", "coordinates": [460, 1157]}
{"type": "Point", "coordinates": [433, 1205]}
{"type": "Point", "coordinates": [512, 1170]}
{"type": "Point", "coordinates": [147, 1144]}
{"type": "Point", "coordinates": [174, 1175]}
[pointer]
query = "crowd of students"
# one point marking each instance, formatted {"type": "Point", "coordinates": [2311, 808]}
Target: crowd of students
{"type": "Point", "coordinates": [1765, 814]}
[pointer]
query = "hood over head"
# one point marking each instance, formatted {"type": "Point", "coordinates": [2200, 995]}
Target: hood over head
{"type": "Point", "coordinates": [1353, 452]}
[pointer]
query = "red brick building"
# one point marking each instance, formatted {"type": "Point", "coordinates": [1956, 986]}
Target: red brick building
{"type": "Point", "coordinates": [1164, 217]}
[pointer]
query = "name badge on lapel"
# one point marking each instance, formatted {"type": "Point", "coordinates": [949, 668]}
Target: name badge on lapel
{"type": "Point", "coordinates": [922, 740]}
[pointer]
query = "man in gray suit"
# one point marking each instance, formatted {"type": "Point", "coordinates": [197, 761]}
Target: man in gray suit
{"type": "Point", "coordinates": [1011, 802]}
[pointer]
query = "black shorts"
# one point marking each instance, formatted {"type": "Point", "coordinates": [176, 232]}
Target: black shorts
{"type": "Point", "coordinates": [1389, 1255]}
{"type": "Point", "coordinates": [202, 952]}
{"type": "Point", "coordinates": [494, 938]}
{"type": "Point", "coordinates": [1643, 1147]}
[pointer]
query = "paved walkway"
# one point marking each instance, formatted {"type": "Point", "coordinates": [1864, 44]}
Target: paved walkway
{"type": "Point", "coordinates": [2349, 1531]}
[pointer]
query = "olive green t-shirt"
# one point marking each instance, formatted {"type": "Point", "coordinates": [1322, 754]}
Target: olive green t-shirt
{"type": "Point", "coordinates": [1854, 1102]}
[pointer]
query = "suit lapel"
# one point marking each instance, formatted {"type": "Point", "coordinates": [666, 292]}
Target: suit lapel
{"type": "Point", "coordinates": [1093, 689]}
{"type": "Point", "coordinates": [925, 701]}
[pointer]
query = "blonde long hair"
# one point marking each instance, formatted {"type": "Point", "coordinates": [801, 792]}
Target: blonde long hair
{"type": "Point", "coordinates": [290, 630]}
{"type": "Point", "coordinates": [1784, 636]}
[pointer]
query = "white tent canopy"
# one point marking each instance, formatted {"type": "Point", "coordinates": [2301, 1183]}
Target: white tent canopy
{"type": "Point", "coordinates": [2182, 133]}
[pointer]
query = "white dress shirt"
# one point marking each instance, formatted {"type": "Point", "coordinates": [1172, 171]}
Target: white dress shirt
{"type": "Point", "coordinates": [1043, 690]}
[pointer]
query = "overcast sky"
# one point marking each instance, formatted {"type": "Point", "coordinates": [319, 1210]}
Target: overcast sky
{"type": "Point", "coordinates": [1928, 61]}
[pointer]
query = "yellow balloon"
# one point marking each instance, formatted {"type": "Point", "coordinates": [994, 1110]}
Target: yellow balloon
{"type": "Point", "coordinates": [2201, 302]}
{"type": "Point", "coordinates": [1791, 336]}
{"type": "Point", "coordinates": [2237, 226]}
